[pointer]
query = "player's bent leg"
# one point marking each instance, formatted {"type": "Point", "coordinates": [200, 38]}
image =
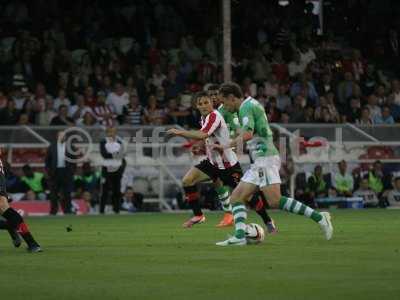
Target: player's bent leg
{"type": "Point", "coordinates": [16, 222]}
{"type": "Point", "coordinates": [239, 196]}
{"type": "Point", "coordinates": [275, 200]}
{"type": "Point", "coordinates": [15, 238]}
{"type": "Point", "coordinates": [258, 203]}
{"type": "Point", "coordinates": [189, 181]}
{"type": "Point", "coordinates": [223, 193]}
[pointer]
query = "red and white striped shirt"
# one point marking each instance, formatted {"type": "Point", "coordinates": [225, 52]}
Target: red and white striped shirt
{"type": "Point", "coordinates": [218, 133]}
{"type": "Point", "coordinates": [104, 115]}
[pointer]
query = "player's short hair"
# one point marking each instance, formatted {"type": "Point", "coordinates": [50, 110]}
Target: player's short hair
{"type": "Point", "coordinates": [231, 88]}
{"type": "Point", "coordinates": [200, 95]}
{"type": "Point", "coordinates": [213, 87]}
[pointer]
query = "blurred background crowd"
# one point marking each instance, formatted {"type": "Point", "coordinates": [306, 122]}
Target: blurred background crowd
{"type": "Point", "coordinates": [139, 62]}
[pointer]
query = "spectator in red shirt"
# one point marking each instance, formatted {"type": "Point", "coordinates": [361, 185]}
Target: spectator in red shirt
{"type": "Point", "coordinates": [154, 53]}
{"type": "Point", "coordinates": [90, 98]}
{"type": "Point", "coordinates": [206, 70]}
{"type": "Point", "coordinates": [103, 112]}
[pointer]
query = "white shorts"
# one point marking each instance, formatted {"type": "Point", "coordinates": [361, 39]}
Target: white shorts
{"type": "Point", "coordinates": [264, 171]}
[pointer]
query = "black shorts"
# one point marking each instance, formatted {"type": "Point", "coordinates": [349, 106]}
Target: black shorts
{"type": "Point", "coordinates": [230, 177]}
{"type": "Point", "coordinates": [3, 190]}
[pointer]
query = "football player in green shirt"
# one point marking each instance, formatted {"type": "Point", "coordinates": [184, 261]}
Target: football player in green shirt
{"type": "Point", "coordinates": [264, 171]}
{"type": "Point", "coordinates": [257, 201]}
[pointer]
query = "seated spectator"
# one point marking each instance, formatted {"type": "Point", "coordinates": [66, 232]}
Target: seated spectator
{"type": "Point", "coordinates": [343, 181]}
{"type": "Point", "coordinates": [3, 100]}
{"type": "Point", "coordinates": [273, 112]}
{"type": "Point", "coordinates": [46, 113]}
{"type": "Point", "coordinates": [157, 77]}
{"type": "Point", "coordinates": [172, 85]}
{"type": "Point", "coordinates": [325, 116]}
{"type": "Point", "coordinates": [90, 97]}
{"type": "Point", "coordinates": [206, 70]}
{"type": "Point", "coordinates": [296, 66]}
{"type": "Point", "coordinates": [133, 112]}
{"type": "Point", "coordinates": [376, 178]}
{"type": "Point", "coordinates": [174, 114]}
{"type": "Point", "coordinates": [345, 88]}
{"type": "Point", "coordinates": [309, 114]}
{"type": "Point", "coordinates": [271, 86]}
{"type": "Point", "coordinates": [317, 185]}
{"type": "Point", "coordinates": [327, 102]}
{"type": "Point", "coordinates": [365, 118]}
{"type": "Point", "coordinates": [61, 99]}
{"type": "Point", "coordinates": [35, 181]}
{"type": "Point", "coordinates": [118, 98]}
{"type": "Point", "coordinates": [9, 115]}
{"type": "Point", "coordinates": [374, 109]}
{"type": "Point", "coordinates": [296, 111]}
{"type": "Point", "coordinates": [385, 118]}
{"type": "Point", "coordinates": [394, 108]}
{"type": "Point", "coordinates": [62, 119]}
{"type": "Point", "coordinates": [88, 182]}
{"type": "Point", "coordinates": [14, 183]}
{"type": "Point", "coordinates": [393, 196]}
{"type": "Point", "coordinates": [78, 110]}
{"type": "Point", "coordinates": [88, 119]}
{"type": "Point", "coordinates": [353, 113]}
{"type": "Point", "coordinates": [326, 84]}
{"type": "Point", "coordinates": [369, 196]}
{"type": "Point", "coordinates": [131, 201]}
{"type": "Point", "coordinates": [104, 113]}
{"type": "Point", "coordinates": [283, 100]}
{"type": "Point", "coordinates": [153, 114]}
{"type": "Point", "coordinates": [279, 67]}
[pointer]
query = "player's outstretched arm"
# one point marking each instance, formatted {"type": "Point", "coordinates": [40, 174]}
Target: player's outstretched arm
{"type": "Point", "coordinates": [190, 134]}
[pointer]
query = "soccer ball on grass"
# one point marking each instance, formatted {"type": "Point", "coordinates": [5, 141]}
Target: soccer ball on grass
{"type": "Point", "coordinates": [254, 233]}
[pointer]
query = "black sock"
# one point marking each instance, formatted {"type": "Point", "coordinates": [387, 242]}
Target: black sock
{"type": "Point", "coordinates": [258, 202]}
{"type": "Point", "coordinates": [192, 197]}
{"type": "Point", "coordinates": [4, 226]}
{"type": "Point", "coordinates": [15, 221]}
{"type": "Point", "coordinates": [264, 215]}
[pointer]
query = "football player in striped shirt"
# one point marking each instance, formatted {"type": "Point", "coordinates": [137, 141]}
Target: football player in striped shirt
{"type": "Point", "coordinates": [14, 222]}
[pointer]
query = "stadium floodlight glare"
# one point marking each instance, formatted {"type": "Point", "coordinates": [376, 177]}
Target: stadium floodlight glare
{"type": "Point", "coordinates": [283, 2]}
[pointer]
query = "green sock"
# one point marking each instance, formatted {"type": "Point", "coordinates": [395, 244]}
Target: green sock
{"type": "Point", "coordinates": [223, 196]}
{"type": "Point", "coordinates": [299, 208]}
{"type": "Point", "coordinates": [240, 216]}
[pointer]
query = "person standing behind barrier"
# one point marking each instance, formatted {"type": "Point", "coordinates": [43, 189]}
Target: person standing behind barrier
{"type": "Point", "coordinates": [60, 169]}
{"type": "Point", "coordinates": [112, 149]}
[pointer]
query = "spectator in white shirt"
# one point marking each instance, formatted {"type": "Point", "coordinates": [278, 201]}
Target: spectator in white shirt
{"type": "Point", "coordinates": [307, 54]}
{"type": "Point", "coordinates": [157, 77]}
{"type": "Point", "coordinates": [118, 99]}
{"type": "Point", "coordinates": [61, 100]}
{"type": "Point", "coordinates": [78, 110]}
{"type": "Point", "coordinates": [296, 66]}
{"type": "Point", "coordinates": [393, 196]}
{"type": "Point", "coordinates": [369, 196]}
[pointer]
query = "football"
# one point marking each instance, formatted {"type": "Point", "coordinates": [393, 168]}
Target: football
{"type": "Point", "coordinates": [254, 233]}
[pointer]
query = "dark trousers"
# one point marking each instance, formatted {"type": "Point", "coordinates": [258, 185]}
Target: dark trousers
{"type": "Point", "coordinates": [112, 184]}
{"type": "Point", "coordinates": [61, 182]}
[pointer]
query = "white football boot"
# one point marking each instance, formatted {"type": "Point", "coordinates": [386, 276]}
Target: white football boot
{"type": "Point", "coordinates": [232, 241]}
{"type": "Point", "coordinates": [326, 225]}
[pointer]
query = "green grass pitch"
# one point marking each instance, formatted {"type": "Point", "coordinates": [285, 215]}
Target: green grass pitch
{"type": "Point", "coordinates": [149, 256]}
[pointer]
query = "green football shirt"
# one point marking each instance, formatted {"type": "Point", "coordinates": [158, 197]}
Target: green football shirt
{"type": "Point", "coordinates": [231, 120]}
{"type": "Point", "coordinates": [253, 118]}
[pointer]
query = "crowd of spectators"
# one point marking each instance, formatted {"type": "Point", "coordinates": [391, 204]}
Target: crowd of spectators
{"type": "Point", "coordinates": [140, 62]}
